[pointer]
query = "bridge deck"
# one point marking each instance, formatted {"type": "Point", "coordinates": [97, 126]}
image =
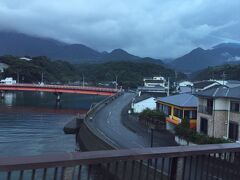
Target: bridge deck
{"type": "Point", "coordinates": [59, 89]}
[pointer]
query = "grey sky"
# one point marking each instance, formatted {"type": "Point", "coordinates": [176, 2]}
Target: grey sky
{"type": "Point", "coordinates": [156, 28]}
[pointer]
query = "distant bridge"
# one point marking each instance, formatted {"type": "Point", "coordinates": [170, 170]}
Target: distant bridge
{"type": "Point", "coordinates": [59, 89]}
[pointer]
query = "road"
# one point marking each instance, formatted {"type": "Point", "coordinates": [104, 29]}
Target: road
{"type": "Point", "coordinates": [108, 122]}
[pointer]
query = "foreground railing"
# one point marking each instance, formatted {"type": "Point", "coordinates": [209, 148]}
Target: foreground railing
{"type": "Point", "coordinates": [183, 162]}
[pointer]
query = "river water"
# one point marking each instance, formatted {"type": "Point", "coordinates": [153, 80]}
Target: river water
{"type": "Point", "coordinates": [31, 123]}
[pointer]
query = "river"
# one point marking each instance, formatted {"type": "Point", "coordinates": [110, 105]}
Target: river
{"type": "Point", "coordinates": [31, 123]}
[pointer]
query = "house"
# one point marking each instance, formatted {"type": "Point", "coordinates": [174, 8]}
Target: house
{"type": "Point", "coordinates": [178, 107]}
{"type": "Point", "coordinates": [229, 83]}
{"type": "Point", "coordinates": [8, 80]}
{"type": "Point", "coordinates": [219, 112]}
{"type": "Point", "coordinates": [143, 102]}
{"type": "Point", "coordinates": [185, 83]}
{"type": "Point", "coordinates": [155, 86]}
{"type": "Point", "coordinates": [205, 84]}
{"type": "Point", "coordinates": [185, 87]}
{"type": "Point", "coordinates": [155, 82]}
{"type": "Point", "coordinates": [154, 91]}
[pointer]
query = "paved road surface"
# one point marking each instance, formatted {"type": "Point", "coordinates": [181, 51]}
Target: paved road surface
{"type": "Point", "coordinates": [108, 122]}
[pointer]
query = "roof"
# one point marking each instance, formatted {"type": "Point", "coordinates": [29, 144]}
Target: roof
{"type": "Point", "coordinates": [156, 88]}
{"type": "Point", "coordinates": [232, 83]}
{"type": "Point", "coordinates": [185, 89]}
{"type": "Point", "coordinates": [203, 84]}
{"type": "Point", "coordinates": [154, 81]}
{"type": "Point", "coordinates": [181, 100]}
{"type": "Point", "coordinates": [142, 98]}
{"type": "Point", "coordinates": [220, 92]}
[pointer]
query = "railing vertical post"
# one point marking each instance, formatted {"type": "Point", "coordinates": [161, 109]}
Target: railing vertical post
{"type": "Point", "coordinates": [173, 170]}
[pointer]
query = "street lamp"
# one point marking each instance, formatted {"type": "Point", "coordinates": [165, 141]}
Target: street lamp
{"type": "Point", "coordinates": [151, 128]}
{"type": "Point", "coordinates": [116, 79]}
{"type": "Point", "coordinates": [151, 137]}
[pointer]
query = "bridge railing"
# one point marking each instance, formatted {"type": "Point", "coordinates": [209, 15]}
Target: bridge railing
{"type": "Point", "coordinates": [183, 162]}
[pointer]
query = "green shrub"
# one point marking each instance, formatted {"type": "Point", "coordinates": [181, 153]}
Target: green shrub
{"type": "Point", "coordinates": [183, 131]}
{"type": "Point", "coordinates": [149, 114]}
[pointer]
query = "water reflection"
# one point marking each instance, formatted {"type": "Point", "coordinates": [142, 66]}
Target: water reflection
{"type": "Point", "coordinates": [31, 124]}
{"type": "Point", "coordinates": [8, 98]}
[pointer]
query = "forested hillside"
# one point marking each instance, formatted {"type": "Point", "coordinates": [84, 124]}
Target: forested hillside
{"type": "Point", "coordinates": [129, 74]}
{"type": "Point", "coordinates": [227, 71]}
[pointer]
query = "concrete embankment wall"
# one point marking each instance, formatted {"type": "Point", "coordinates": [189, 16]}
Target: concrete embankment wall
{"type": "Point", "coordinates": [88, 141]}
{"type": "Point", "coordinates": [89, 138]}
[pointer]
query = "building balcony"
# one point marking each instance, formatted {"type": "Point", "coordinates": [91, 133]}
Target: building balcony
{"type": "Point", "coordinates": [181, 162]}
{"type": "Point", "coordinates": [205, 109]}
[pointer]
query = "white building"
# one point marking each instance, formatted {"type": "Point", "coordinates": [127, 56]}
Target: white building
{"type": "Point", "coordinates": [139, 104]}
{"type": "Point", "coordinates": [184, 87]}
{"type": "Point", "coordinates": [155, 82]}
{"type": "Point", "coordinates": [3, 66]}
{"type": "Point", "coordinates": [185, 83]}
{"type": "Point", "coordinates": [8, 80]}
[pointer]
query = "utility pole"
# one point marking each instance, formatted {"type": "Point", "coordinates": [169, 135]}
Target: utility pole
{"type": "Point", "coordinates": [168, 90]}
{"type": "Point", "coordinates": [116, 79]}
{"type": "Point", "coordinates": [223, 77]}
{"type": "Point", "coordinates": [42, 79]}
{"type": "Point", "coordinates": [17, 77]}
{"type": "Point", "coordinates": [83, 80]}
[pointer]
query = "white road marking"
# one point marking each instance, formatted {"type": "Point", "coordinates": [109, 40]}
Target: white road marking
{"type": "Point", "coordinates": [108, 117]}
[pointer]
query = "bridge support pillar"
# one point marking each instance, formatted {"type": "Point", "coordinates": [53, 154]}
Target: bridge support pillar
{"type": "Point", "coordinates": [58, 97]}
{"type": "Point", "coordinates": [2, 94]}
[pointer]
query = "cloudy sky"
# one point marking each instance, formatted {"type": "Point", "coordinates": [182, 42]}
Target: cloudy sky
{"type": "Point", "coordinates": [156, 28]}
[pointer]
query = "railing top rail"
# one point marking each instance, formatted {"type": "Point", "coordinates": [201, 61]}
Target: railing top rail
{"type": "Point", "coordinates": [95, 157]}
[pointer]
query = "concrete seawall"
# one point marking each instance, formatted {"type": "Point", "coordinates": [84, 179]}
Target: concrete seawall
{"type": "Point", "coordinates": [89, 141]}
{"type": "Point", "coordinates": [89, 138]}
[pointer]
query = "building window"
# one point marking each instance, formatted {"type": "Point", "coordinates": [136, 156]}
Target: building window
{"type": "Point", "coordinates": [233, 131]}
{"type": "Point", "coordinates": [234, 106]}
{"type": "Point", "coordinates": [190, 114]}
{"type": "Point", "coordinates": [209, 103]}
{"type": "Point", "coordinates": [178, 113]}
{"type": "Point", "coordinates": [167, 110]}
{"type": "Point", "coordinates": [159, 107]}
{"type": "Point", "coordinates": [204, 125]}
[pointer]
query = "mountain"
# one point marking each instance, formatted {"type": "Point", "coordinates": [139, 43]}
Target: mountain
{"type": "Point", "coordinates": [119, 54]}
{"type": "Point", "coordinates": [199, 58]}
{"type": "Point", "coordinates": [18, 44]}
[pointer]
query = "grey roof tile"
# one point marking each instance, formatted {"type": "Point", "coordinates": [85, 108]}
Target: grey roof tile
{"type": "Point", "coordinates": [220, 92]}
{"type": "Point", "coordinates": [182, 100]}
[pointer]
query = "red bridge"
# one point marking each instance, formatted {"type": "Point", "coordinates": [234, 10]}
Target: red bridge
{"type": "Point", "coordinates": [58, 89]}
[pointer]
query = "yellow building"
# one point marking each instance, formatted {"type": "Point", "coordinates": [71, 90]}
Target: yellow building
{"type": "Point", "coordinates": [178, 107]}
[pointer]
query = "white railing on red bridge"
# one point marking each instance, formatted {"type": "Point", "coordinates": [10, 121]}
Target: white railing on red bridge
{"type": "Point", "coordinates": [63, 87]}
